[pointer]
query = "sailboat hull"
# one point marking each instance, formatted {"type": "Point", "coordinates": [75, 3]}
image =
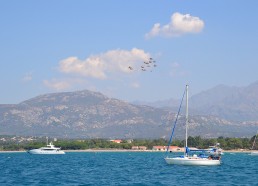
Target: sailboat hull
{"type": "Point", "coordinates": [192, 161]}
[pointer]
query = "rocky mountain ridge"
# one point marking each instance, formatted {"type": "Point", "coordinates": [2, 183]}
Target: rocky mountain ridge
{"type": "Point", "coordinates": [87, 114]}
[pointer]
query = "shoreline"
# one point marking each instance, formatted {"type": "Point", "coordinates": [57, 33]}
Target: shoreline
{"type": "Point", "coordinates": [125, 150]}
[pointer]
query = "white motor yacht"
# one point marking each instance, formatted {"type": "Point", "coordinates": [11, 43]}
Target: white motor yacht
{"type": "Point", "coordinates": [254, 153]}
{"type": "Point", "coordinates": [49, 149]}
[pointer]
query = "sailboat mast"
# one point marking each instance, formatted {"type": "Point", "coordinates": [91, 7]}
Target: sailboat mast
{"type": "Point", "coordinates": [186, 116]}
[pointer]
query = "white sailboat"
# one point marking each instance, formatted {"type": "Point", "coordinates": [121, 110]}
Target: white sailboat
{"type": "Point", "coordinates": [193, 159]}
{"type": "Point", "coordinates": [254, 152]}
{"type": "Point", "coordinates": [49, 149]}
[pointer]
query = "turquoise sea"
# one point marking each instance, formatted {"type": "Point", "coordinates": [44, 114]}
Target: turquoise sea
{"type": "Point", "coordinates": [122, 168]}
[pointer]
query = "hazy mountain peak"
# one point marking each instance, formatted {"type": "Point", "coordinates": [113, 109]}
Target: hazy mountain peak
{"type": "Point", "coordinates": [77, 97]}
{"type": "Point", "coordinates": [230, 102]}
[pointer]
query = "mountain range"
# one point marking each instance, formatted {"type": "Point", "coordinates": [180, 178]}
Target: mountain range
{"type": "Point", "coordinates": [221, 111]}
{"type": "Point", "coordinates": [227, 102]}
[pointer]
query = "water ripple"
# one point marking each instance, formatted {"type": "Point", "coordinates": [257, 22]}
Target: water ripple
{"type": "Point", "coordinates": [125, 168]}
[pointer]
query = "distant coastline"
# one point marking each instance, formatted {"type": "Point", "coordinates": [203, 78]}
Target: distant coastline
{"type": "Point", "coordinates": [127, 150]}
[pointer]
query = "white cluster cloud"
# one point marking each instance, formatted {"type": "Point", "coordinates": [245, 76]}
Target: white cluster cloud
{"type": "Point", "coordinates": [179, 24]}
{"type": "Point", "coordinates": [98, 66]}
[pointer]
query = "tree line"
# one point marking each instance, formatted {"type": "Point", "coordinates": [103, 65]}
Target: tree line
{"type": "Point", "coordinates": [197, 141]}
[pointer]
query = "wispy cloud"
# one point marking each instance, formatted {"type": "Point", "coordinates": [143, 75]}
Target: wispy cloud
{"type": "Point", "coordinates": [27, 77]}
{"type": "Point", "coordinates": [98, 66]}
{"type": "Point", "coordinates": [179, 24]}
{"type": "Point", "coordinates": [135, 85]}
{"type": "Point", "coordinates": [56, 84]}
{"type": "Point", "coordinates": [176, 70]}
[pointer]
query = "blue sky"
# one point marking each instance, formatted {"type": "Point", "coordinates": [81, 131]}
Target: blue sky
{"type": "Point", "coordinates": [55, 46]}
